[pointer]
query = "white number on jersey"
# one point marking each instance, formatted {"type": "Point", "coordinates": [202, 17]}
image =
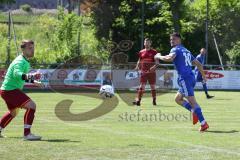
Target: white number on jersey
{"type": "Point", "coordinates": [187, 56]}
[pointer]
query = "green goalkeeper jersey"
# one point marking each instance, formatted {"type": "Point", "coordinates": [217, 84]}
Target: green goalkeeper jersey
{"type": "Point", "coordinates": [13, 78]}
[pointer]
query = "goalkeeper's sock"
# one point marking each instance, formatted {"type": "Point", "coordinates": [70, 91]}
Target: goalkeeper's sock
{"type": "Point", "coordinates": [28, 120]}
{"type": "Point", "coordinates": [187, 106]}
{"type": "Point", "coordinates": [6, 119]}
{"type": "Point", "coordinates": [198, 112]}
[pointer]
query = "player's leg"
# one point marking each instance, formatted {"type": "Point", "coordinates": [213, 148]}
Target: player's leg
{"type": "Point", "coordinates": [17, 99]}
{"type": "Point", "coordinates": [179, 99]}
{"type": "Point", "coordinates": [204, 84]}
{"type": "Point", "coordinates": [154, 94]}
{"type": "Point", "coordinates": [198, 111]}
{"type": "Point", "coordinates": [185, 89]}
{"type": "Point", "coordinates": [182, 92]}
{"type": "Point", "coordinates": [140, 92]}
{"type": "Point", "coordinates": [6, 119]}
{"type": "Point", "coordinates": [10, 98]}
{"type": "Point", "coordinates": [30, 107]}
{"type": "Point", "coordinates": [141, 89]}
{"type": "Point", "coordinates": [190, 83]}
{"type": "Point", "coordinates": [152, 82]}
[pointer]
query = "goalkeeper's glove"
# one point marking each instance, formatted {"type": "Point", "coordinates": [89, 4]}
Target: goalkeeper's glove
{"type": "Point", "coordinates": [29, 78]}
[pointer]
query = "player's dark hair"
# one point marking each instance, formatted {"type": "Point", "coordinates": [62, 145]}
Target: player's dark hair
{"type": "Point", "coordinates": [24, 42]}
{"type": "Point", "coordinates": [176, 34]}
{"type": "Point", "coordinates": [148, 39]}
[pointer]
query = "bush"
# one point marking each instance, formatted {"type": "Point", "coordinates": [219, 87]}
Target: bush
{"type": "Point", "coordinates": [26, 8]}
{"type": "Point", "coordinates": [234, 54]}
{"type": "Point", "coordinates": [56, 39]}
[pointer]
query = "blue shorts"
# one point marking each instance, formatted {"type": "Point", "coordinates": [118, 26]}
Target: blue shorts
{"type": "Point", "coordinates": [186, 85]}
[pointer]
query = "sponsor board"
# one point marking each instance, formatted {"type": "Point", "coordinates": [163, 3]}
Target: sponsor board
{"type": "Point", "coordinates": [127, 79]}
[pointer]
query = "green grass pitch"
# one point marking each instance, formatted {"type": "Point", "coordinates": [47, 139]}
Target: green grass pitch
{"type": "Point", "coordinates": [122, 134]}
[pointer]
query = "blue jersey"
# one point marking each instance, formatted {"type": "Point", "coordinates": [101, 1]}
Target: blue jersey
{"type": "Point", "coordinates": [183, 64]}
{"type": "Point", "coordinates": [198, 75]}
{"type": "Point", "coordinates": [182, 61]}
{"type": "Point", "coordinates": [201, 59]}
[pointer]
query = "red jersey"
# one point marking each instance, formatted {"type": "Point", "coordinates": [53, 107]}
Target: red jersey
{"type": "Point", "coordinates": [146, 59]}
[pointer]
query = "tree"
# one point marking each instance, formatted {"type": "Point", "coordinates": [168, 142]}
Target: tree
{"type": "Point", "coordinates": [7, 1]}
{"type": "Point", "coordinates": [234, 54]}
{"type": "Point", "coordinates": [175, 6]}
{"type": "Point", "coordinates": [121, 20]}
{"type": "Point", "coordinates": [104, 14]}
{"type": "Point", "coordinates": [224, 23]}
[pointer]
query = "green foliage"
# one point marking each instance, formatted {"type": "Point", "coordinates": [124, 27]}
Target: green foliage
{"type": "Point", "coordinates": [56, 39]}
{"type": "Point", "coordinates": [121, 20]}
{"type": "Point", "coordinates": [4, 44]}
{"type": "Point", "coordinates": [126, 23]}
{"type": "Point", "coordinates": [7, 1]}
{"type": "Point", "coordinates": [234, 54]}
{"type": "Point", "coordinates": [17, 18]}
{"type": "Point", "coordinates": [224, 22]}
{"type": "Point", "coordinates": [70, 29]}
{"type": "Point", "coordinates": [163, 16]}
{"type": "Point", "coordinates": [26, 8]}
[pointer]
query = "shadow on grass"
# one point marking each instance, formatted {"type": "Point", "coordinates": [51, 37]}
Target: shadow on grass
{"type": "Point", "coordinates": [135, 145]}
{"type": "Point", "coordinates": [222, 99]}
{"type": "Point", "coordinates": [49, 140]}
{"type": "Point", "coordinates": [232, 131]}
{"type": "Point", "coordinates": [59, 140]}
{"type": "Point", "coordinates": [152, 106]}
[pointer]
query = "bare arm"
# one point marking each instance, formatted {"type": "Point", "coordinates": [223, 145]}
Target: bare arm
{"type": "Point", "coordinates": [167, 58]}
{"type": "Point", "coordinates": [153, 68]}
{"type": "Point", "coordinates": [200, 68]}
{"type": "Point", "coordinates": [138, 64]}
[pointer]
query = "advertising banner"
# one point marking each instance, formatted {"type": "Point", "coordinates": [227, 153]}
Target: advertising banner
{"type": "Point", "coordinates": [126, 79]}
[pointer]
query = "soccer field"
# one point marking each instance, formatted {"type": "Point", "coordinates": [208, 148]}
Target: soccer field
{"type": "Point", "coordinates": [127, 132]}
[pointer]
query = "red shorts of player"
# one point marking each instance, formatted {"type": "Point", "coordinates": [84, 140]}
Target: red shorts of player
{"type": "Point", "coordinates": [14, 98]}
{"type": "Point", "coordinates": [148, 77]}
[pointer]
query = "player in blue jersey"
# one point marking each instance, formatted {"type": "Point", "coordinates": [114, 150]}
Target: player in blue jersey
{"type": "Point", "coordinates": [198, 75]}
{"type": "Point", "coordinates": [183, 60]}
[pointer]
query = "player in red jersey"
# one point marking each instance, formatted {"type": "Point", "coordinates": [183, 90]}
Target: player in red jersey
{"type": "Point", "coordinates": [146, 65]}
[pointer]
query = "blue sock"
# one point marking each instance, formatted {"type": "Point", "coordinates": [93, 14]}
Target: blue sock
{"type": "Point", "coordinates": [198, 112]}
{"type": "Point", "coordinates": [187, 105]}
{"type": "Point", "coordinates": [205, 88]}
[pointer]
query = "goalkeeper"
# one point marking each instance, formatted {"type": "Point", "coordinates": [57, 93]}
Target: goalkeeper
{"type": "Point", "coordinates": [17, 74]}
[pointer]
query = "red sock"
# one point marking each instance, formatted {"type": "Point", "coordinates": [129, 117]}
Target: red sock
{"type": "Point", "coordinates": [140, 93]}
{"type": "Point", "coordinates": [153, 94]}
{"type": "Point", "coordinates": [28, 120]}
{"type": "Point", "coordinates": [6, 119]}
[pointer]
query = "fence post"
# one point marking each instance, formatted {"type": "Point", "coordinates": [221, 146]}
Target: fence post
{"type": "Point", "coordinates": [9, 40]}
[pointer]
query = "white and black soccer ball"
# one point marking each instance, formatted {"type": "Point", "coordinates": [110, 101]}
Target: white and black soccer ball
{"type": "Point", "coordinates": [106, 91]}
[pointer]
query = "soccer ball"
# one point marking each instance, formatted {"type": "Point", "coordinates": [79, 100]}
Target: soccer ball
{"type": "Point", "coordinates": [106, 91]}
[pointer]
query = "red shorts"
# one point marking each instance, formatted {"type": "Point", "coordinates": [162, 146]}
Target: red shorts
{"type": "Point", "coordinates": [14, 98]}
{"type": "Point", "coordinates": [150, 77]}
